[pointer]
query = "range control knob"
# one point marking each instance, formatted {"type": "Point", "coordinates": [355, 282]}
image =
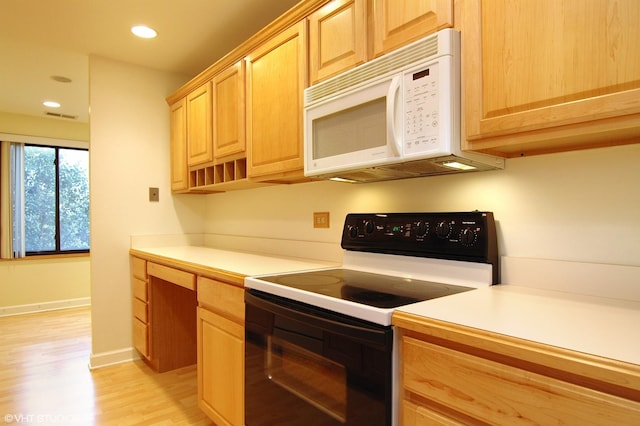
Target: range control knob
{"type": "Point", "coordinates": [369, 227]}
{"type": "Point", "coordinates": [443, 230]}
{"type": "Point", "coordinates": [353, 231]}
{"type": "Point", "coordinates": [468, 237]}
{"type": "Point", "coordinates": [422, 228]}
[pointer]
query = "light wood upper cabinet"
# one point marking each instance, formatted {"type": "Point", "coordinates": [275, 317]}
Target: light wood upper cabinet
{"type": "Point", "coordinates": [544, 76]}
{"type": "Point", "coordinates": [199, 126]}
{"type": "Point", "coordinates": [396, 23]}
{"type": "Point", "coordinates": [178, 147]}
{"type": "Point", "coordinates": [337, 38]}
{"type": "Point", "coordinates": [277, 76]}
{"type": "Point", "coordinates": [229, 111]}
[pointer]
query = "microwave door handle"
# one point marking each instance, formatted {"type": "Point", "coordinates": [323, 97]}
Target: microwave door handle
{"type": "Point", "coordinates": [392, 98]}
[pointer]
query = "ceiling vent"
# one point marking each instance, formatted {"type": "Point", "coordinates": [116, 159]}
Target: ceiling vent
{"type": "Point", "coordinates": [58, 115]}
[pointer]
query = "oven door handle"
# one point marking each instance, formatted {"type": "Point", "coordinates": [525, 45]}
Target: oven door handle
{"type": "Point", "coordinates": [368, 333]}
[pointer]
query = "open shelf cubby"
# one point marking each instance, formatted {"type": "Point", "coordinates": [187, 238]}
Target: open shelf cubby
{"type": "Point", "coordinates": [214, 177]}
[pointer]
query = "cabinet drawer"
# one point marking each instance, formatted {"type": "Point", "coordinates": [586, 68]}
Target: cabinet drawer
{"type": "Point", "coordinates": [501, 394]}
{"type": "Point", "coordinates": [220, 297]}
{"type": "Point", "coordinates": [139, 268]}
{"type": "Point", "coordinates": [414, 415]}
{"type": "Point", "coordinates": [141, 337]}
{"type": "Point", "coordinates": [140, 289]}
{"type": "Point", "coordinates": [140, 310]}
{"type": "Point", "coordinates": [174, 276]}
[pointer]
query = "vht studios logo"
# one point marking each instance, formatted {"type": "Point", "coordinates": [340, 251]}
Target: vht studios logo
{"type": "Point", "coordinates": [39, 418]}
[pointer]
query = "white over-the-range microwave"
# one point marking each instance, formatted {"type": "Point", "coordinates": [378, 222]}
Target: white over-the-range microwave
{"type": "Point", "coordinates": [397, 116]}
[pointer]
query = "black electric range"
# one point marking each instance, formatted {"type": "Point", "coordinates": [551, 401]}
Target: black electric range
{"type": "Point", "coordinates": [395, 259]}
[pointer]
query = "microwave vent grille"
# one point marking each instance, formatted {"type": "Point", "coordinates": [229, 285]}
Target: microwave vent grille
{"type": "Point", "coordinates": [389, 63]}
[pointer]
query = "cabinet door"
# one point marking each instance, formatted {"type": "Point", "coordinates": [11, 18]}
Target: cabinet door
{"type": "Point", "coordinates": [337, 38]}
{"type": "Point", "coordinates": [543, 76]}
{"type": "Point", "coordinates": [199, 126]}
{"type": "Point", "coordinates": [141, 337]}
{"type": "Point", "coordinates": [178, 147]}
{"type": "Point", "coordinates": [220, 368]}
{"type": "Point", "coordinates": [466, 385]}
{"type": "Point", "coordinates": [276, 74]}
{"type": "Point", "coordinates": [396, 23]}
{"type": "Point", "coordinates": [229, 111]}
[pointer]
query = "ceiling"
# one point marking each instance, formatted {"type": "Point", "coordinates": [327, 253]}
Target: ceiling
{"type": "Point", "coordinates": [44, 38]}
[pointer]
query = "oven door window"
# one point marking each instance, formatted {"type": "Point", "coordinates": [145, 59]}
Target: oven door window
{"type": "Point", "coordinates": [301, 372]}
{"type": "Point", "coordinates": [313, 378]}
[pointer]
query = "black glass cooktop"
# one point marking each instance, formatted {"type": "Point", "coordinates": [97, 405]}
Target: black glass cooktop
{"type": "Point", "coordinates": [381, 291]}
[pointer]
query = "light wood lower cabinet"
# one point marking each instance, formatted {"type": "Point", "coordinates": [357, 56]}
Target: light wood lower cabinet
{"type": "Point", "coordinates": [221, 351]}
{"type": "Point", "coordinates": [139, 284]}
{"type": "Point", "coordinates": [454, 375]}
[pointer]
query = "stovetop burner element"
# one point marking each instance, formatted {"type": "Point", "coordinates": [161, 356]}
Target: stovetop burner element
{"type": "Point", "coordinates": [382, 291]}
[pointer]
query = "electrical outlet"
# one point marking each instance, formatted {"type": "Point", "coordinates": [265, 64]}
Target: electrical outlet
{"type": "Point", "coordinates": [321, 219]}
{"type": "Point", "coordinates": [154, 194]}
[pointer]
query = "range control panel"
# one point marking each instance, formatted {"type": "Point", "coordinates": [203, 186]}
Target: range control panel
{"type": "Point", "coordinates": [469, 236]}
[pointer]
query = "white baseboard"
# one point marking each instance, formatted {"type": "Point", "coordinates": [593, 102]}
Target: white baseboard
{"type": "Point", "coordinates": [106, 359]}
{"type": "Point", "coordinates": [44, 306]}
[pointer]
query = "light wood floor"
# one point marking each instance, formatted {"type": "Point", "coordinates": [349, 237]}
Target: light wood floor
{"type": "Point", "coordinates": [45, 379]}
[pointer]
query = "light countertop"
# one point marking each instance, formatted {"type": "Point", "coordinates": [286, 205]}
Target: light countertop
{"type": "Point", "coordinates": [594, 325]}
{"type": "Point", "coordinates": [237, 262]}
{"type": "Point", "coordinates": [601, 326]}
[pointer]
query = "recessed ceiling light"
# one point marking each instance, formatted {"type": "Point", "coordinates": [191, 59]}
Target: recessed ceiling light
{"type": "Point", "coordinates": [51, 104]}
{"type": "Point", "coordinates": [144, 31]}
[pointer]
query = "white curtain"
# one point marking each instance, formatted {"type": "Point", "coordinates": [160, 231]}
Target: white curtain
{"type": "Point", "coordinates": [17, 198]}
{"type": "Point", "coordinates": [12, 200]}
{"type": "Point", "coordinates": [5, 203]}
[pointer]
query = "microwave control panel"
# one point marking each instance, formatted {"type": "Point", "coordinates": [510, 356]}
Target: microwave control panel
{"type": "Point", "coordinates": [421, 109]}
{"type": "Point", "coordinates": [431, 107]}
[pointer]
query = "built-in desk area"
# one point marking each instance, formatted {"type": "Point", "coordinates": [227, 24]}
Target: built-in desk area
{"type": "Point", "coordinates": [173, 307]}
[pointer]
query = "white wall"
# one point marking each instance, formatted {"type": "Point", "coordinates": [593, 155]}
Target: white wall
{"type": "Point", "coordinates": [577, 206]}
{"type": "Point", "coordinates": [129, 152]}
{"type": "Point", "coordinates": [582, 206]}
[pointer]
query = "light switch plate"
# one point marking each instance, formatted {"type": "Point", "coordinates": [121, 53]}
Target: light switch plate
{"type": "Point", "coordinates": [154, 194]}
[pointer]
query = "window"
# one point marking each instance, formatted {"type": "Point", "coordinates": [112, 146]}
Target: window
{"type": "Point", "coordinates": [49, 200]}
{"type": "Point", "coordinates": [56, 199]}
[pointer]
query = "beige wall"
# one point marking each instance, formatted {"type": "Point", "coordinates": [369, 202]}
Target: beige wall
{"type": "Point", "coordinates": [36, 284]}
{"type": "Point", "coordinates": [576, 206]}
{"type": "Point", "coordinates": [129, 154]}
{"type": "Point", "coordinates": [55, 128]}
{"type": "Point", "coordinates": [39, 283]}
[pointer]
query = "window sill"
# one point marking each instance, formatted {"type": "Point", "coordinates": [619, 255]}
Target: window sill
{"type": "Point", "coordinates": [47, 257]}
